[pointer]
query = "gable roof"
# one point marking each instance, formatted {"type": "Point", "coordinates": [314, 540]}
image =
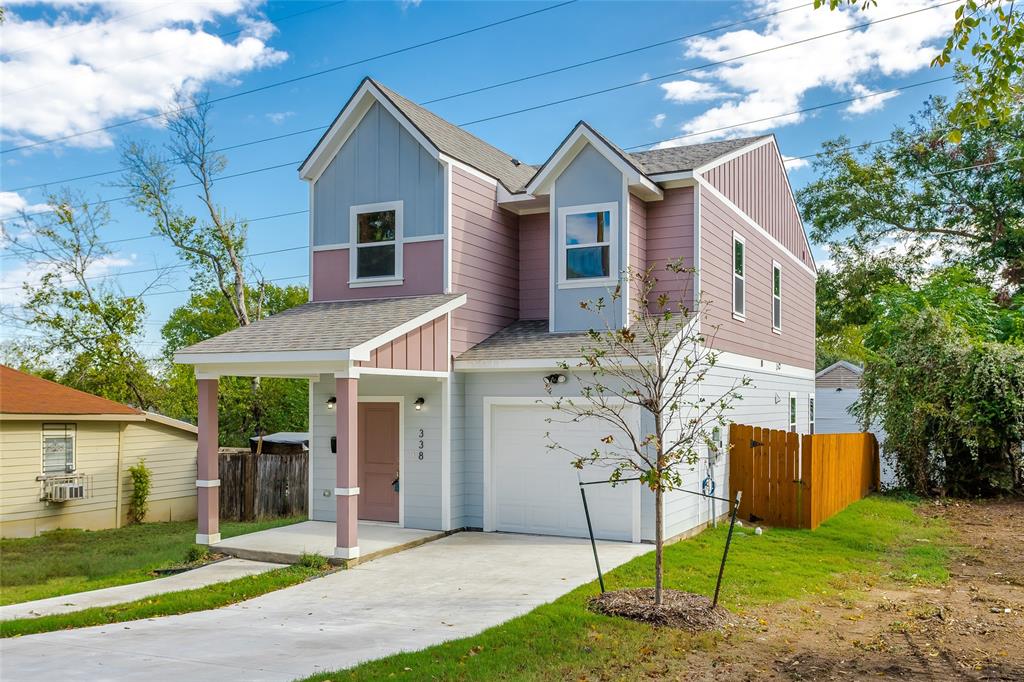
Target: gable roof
{"type": "Point", "coordinates": [690, 156]}
{"type": "Point", "coordinates": [22, 393]}
{"type": "Point", "coordinates": [856, 369]}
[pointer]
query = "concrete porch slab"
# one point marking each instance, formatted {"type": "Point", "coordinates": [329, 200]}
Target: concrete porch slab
{"type": "Point", "coordinates": [285, 544]}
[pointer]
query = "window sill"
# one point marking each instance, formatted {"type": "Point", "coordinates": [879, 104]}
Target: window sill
{"type": "Point", "coordinates": [776, 330]}
{"type": "Point", "coordinates": [602, 283]}
{"type": "Point", "coordinates": [385, 282]}
{"type": "Point", "coordinates": [740, 318]}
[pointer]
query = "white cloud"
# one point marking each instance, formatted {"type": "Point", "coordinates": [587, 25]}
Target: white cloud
{"type": "Point", "coordinates": [871, 101]}
{"type": "Point", "coordinates": [12, 204]}
{"type": "Point", "coordinates": [95, 64]}
{"type": "Point", "coordinates": [793, 163]}
{"type": "Point", "coordinates": [658, 120]}
{"type": "Point", "coordinates": [279, 117]}
{"type": "Point", "coordinates": [686, 91]}
{"type": "Point", "coordinates": [13, 278]}
{"type": "Point", "coordinates": [778, 82]}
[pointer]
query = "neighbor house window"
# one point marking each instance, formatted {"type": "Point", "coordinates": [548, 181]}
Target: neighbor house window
{"type": "Point", "coordinates": [776, 297]}
{"type": "Point", "coordinates": [376, 243]}
{"type": "Point", "coordinates": [587, 245]}
{"type": "Point", "coordinates": [792, 412]}
{"type": "Point", "coordinates": [58, 448]}
{"type": "Point", "coordinates": [810, 415]}
{"type": "Point", "coordinates": [739, 275]}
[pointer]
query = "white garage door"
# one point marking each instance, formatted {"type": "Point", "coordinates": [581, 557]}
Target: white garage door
{"type": "Point", "coordinates": [535, 489]}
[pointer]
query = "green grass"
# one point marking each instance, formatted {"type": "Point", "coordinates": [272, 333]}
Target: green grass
{"type": "Point", "coordinates": [873, 539]}
{"type": "Point", "coordinates": [169, 604]}
{"type": "Point", "coordinates": [66, 561]}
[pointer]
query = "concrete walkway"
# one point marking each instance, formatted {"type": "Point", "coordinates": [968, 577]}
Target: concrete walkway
{"type": "Point", "coordinates": [219, 572]}
{"type": "Point", "coordinates": [450, 588]}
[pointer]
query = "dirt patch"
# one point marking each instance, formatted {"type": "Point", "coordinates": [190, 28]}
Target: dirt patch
{"type": "Point", "coordinates": [972, 628]}
{"type": "Point", "coordinates": [683, 610]}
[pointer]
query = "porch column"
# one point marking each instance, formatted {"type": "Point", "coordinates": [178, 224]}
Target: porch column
{"type": "Point", "coordinates": [208, 481]}
{"type": "Point", "coordinates": [346, 494]}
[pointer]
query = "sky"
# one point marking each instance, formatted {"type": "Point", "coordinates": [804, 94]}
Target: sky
{"type": "Point", "coordinates": [70, 68]}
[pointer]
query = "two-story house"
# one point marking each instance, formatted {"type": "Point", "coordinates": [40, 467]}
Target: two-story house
{"type": "Point", "coordinates": [445, 285]}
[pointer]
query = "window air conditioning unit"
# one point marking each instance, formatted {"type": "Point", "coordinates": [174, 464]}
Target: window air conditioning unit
{"type": "Point", "coordinates": [65, 488]}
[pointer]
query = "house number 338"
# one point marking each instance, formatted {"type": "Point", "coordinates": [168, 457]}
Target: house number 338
{"type": "Point", "coordinates": [419, 454]}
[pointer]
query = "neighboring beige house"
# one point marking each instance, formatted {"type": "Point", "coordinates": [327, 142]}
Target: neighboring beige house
{"type": "Point", "coordinates": [65, 454]}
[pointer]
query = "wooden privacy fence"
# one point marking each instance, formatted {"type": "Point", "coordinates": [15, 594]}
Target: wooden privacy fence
{"type": "Point", "coordinates": [263, 486]}
{"type": "Point", "coordinates": [797, 480]}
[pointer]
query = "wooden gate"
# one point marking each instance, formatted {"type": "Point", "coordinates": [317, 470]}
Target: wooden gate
{"type": "Point", "coordinates": [267, 485]}
{"type": "Point", "coordinates": [797, 480]}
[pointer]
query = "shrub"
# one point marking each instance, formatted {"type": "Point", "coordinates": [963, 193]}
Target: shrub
{"type": "Point", "coordinates": [138, 503]}
{"type": "Point", "coordinates": [196, 553]}
{"type": "Point", "coordinates": [314, 561]}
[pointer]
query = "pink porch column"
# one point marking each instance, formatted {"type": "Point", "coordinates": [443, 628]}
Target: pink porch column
{"type": "Point", "coordinates": [208, 481]}
{"type": "Point", "coordinates": [346, 494]}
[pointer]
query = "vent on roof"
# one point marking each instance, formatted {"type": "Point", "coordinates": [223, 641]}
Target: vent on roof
{"type": "Point", "coordinates": [516, 163]}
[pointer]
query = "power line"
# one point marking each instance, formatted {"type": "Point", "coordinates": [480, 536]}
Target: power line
{"type": "Point", "coordinates": [979, 165]}
{"type": "Point", "coordinates": [295, 79]}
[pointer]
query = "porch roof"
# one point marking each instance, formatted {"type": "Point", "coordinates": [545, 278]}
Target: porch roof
{"type": "Point", "coordinates": [323, 330]}
{"type": "Point", "coordinates": [531, 340]}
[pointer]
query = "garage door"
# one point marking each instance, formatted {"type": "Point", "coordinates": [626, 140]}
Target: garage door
{"type": "Point", "coordinates": [535, 489]}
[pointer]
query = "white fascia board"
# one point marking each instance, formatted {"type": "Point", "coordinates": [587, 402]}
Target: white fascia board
{"type": "Point", "coordinates": [480, 175]}
{"type": "Point", "coordinates": [270, 357]}
{"type": "Point", "coordinates": [734, 154]}
{"type": "Point", "coordinates": [173, 423]}
{"type": "Point", "coordinates": [388, 372]}
{"type": "Point", "coordinates": [572, 146]}
{"type": "Point", "coordinates": [362, 351]}
{"type": "Point", "coordinates": [673, 180]}
{"type": "Point", "coordinates": [347, 121]}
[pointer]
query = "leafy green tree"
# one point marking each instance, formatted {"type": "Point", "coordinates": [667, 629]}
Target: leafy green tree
{"type": "Point", "coordinates": [992, 32]}
{"type": "Point", "coordinates": [960, 202]}
{"type": "Point", "coordinates": [88, 329]}
{"type": "Point", "coordinates": [275, 405]}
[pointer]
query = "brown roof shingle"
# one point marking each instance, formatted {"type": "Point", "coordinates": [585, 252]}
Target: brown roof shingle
{"type": "Point", "coordinates": [22, 393]}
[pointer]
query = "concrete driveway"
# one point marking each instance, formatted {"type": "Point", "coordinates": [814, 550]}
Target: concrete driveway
{"type": "Point", "coordinates": [447, 589]}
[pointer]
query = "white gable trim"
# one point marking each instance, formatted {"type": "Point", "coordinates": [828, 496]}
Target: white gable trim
{"type": "Point", "coordinates": [346, 122]}
{"type": "Point", "coordinates": [836, 365]}
{"type": "Point", "coordinates": [734, 154]}
{"type": "Point", "coordinates": [579, 138]}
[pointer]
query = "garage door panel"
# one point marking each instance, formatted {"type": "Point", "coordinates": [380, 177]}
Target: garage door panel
{"type": "Point", "coordinates": [535, 488]}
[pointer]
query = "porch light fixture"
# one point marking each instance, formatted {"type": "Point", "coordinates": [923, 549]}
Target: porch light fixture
{"type": "Point", "coordinates": [332, 402]}
{"type": "Point", "coordinates": [554, 379]}
{"type": "Point", "coordinates": [419, 404]}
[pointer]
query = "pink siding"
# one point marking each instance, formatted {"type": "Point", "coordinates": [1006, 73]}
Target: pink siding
{"type": "Point", "coordinates": [423, 266]}
{"type": "Point", "coordinates": [670, 236]}
{"type": "Point", "coordinates": [756, 182]}
{"type": "Point", "coordinates": [485, 261]}
{"type": "Point", "coordinates": [637, 244]}
{"type": "Point", "coordinates": [424, 348]}
{"type": "Point", "coordinates": [753, 336]}
{"type": "Point", "coordinates": [534, 266]}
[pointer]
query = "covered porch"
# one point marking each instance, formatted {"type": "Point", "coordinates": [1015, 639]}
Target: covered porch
{"type": "Point", "coordinates": [379, 417]}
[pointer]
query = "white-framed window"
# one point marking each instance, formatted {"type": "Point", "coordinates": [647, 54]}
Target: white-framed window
{"type": "Point", "coordinates": [588, 245]}
{"type": "Point", "coordinates": [739, 276]}
{"type": "Point", "coordinates": [375, 244]}
{"type": "Point", "coordinates": [58, 448]}
{"type": "Point", "coordinates": [776, 297]}
{"type": "Point", "coordinates": [810, 414]}
{"type": "Point", "coordinates": [792, 412]}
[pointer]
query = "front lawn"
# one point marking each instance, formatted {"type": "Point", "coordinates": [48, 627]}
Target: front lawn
{"type": "Point", "coordinates": [874, 538]}
{"type": "Point", "coordinates": [66, 561]}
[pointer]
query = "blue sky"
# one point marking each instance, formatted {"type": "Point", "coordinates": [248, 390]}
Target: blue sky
{"type": "Point", "coordinates": [74, 67]}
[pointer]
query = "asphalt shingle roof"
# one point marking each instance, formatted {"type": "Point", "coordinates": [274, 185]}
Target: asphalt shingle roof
{"type": "Point", "coordinates": [22, 393]}
{"type": "Point", "coordinates": [323, 326]}
{"type": "Point", "coordinates": [687, 157]}
{"type": "Point", "coordinates": [528, 340]}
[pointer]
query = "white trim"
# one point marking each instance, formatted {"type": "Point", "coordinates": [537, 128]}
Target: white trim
{"type": "Point", "coordinates": [346, 492]}
{"type": "Point", "coordinates": [362, 351]}
{"type": "Point", "coordinates": [672, 180]}
{"type": "Point", "coordinates": [207, 375]}
{"type": "Point", "coordinates": [627, 237]}
{"type": "Point", "coordinates": [204, 539]}
{"type": "Point", "coordinates": [208, 483]}
{"type": "Point", "coordinates": [269, 357]}
{"type": "Point", "coordinates": [697, 260]}
{"type": "Point", "coordinates": [347, 121]}
{"type": "Point", "coordinates": [446, 453]}
{"type": "Point", "coordinates": [738, 238]}
{"type": "Point", "coordinates": [332, 247]}
{"type": "Point", "coordinates": [424, 238]}
{"type": "Point", "coordinates": [346, 552]}
{"type": "Point", "coordinates": [312, 203]}
{"type": "Point", "coordinates": [173, 423]}
{"type": "Point", "coordinates": [489, 403]}
{"type": "Point", "coordinates": [74, 445]}
{"type": "Point", "coordinates": [776, 266]}
{"type": "Point", "coordinates": [842, 363]}
{"type": "Point", "coordinates": [810, 412]}
{"type": "Point", "coordinates": [400, 399]}
{"type": "Point", "coordinates": [793, 413]}
{"type": "Point", "coordinates": [350, 371]}
{"type": "Point", "coordinates": [637, 510]}
{"type": "Point", "coordinates": [376, 282]}
{"type": "Point", "coordinates": [792, 197]}
{"type": "Point", "coordinates": [749, 363]}
{"type": "Point", "coordinates": [760, 230]}
{"type": "Point", "coordinates": [447, 217]}
{"type": "Point", "coordinates": [354, 211]}
{"type": "Point", "coordinates": [387, 371]}
{"type": "Point", "coordinates": [611, 241]}
{"type": "Point", "coordinates": [552, 257]}
{"type": "Point", "coordinates": [312, 446]}
{"type": "Point", "coordinates": [480, 175]}
{"type": "Point", "coordinates": [734, 154]}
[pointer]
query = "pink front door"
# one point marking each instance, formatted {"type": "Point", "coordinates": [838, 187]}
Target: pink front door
{"type": "Point", "coordinates": [378, 461]}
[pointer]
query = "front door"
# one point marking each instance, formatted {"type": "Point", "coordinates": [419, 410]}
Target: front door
{"type": "Point", "coordinates": [378, 461]}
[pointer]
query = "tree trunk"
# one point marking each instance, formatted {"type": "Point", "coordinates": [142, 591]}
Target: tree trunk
{"type": "Point", "coordinates": [659, 544]}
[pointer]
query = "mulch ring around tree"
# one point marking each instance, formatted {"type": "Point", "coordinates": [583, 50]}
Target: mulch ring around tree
{"type": "Point", "coordinates": [683, 610]}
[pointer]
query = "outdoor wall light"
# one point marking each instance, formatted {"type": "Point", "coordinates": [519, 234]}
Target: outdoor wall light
{"type": "Point", "coordinates": [332, 402]}
{"type": "Point", "coordinates": [555, 379]}
{"type": "Point", "coordinates": [419, 403]}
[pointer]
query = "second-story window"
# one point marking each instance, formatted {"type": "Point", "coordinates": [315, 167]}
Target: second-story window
{"type": "Point", "coordinates": [739, 275]}
{"type": "Point", "coordinates": [587, 244]}
{"type": "Point", "coordinates": [776, 297]}
{"type": "Point", "coordinates": [376, 242]}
